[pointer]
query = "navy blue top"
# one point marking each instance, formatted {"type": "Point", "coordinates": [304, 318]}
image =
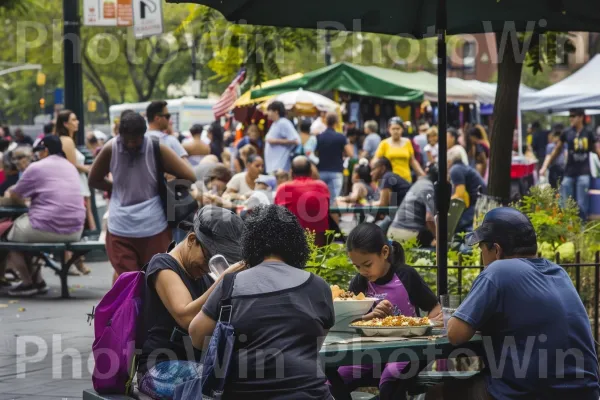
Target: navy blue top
{"type": "Point", "coordinates": [330, 145]}
{"type": "Point", "coordinates": [579, 146]}
{"type": "Point", "coordinates": [530, 309]}
{"type": "Point", "coordinates": [397, 185]}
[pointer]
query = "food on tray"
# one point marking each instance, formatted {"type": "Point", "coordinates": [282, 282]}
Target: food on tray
{"type": "Point", "coordinates": [391, 321]}
{"type": "Point", "coordinates": [340, 294]}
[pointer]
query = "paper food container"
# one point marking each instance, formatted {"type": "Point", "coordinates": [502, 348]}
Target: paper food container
{"type": "Point", "coordinates": [347, 311]}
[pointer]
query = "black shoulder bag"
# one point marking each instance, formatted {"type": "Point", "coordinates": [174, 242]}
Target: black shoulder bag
{"type": "Point", "coordinates": [175, 196]}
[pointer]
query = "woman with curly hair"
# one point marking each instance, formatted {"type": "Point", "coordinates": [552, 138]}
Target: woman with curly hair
{"type": "Point", "coordinates": [280, 313]}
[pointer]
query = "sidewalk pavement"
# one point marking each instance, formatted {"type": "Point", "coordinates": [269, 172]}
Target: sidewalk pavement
{"type": "Point", "coordinates": [46, 342]}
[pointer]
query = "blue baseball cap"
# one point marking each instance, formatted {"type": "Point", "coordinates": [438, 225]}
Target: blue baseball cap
{"type": "Point", "coordinates": [506, 226]}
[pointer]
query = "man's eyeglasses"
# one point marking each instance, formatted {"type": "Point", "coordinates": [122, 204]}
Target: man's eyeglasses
{"type": "Point", "coordinates": [19, 158]}
{"type": "Point", "coordinates": [166, 115]}
{"type": "Point", "coordinates": [573, 116]}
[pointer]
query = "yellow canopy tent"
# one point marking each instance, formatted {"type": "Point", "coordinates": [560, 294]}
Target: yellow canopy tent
{"type": "Point", "coordinates": [244, 100]}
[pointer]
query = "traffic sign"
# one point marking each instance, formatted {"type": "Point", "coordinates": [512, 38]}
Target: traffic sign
{"type": "Point", "coordinates": [147, 18]}
{"type": "Point", "coordinates": [59, 96]}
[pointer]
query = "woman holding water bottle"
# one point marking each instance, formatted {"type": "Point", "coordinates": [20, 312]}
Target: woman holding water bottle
{"type": "Point", "coordinates": [177, 287]}
{"type": "Point", "coordinates": [382, 274]}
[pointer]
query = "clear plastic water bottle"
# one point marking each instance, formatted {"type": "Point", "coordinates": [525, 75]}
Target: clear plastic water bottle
{"type": "Point", "coordinates": [217, 265]}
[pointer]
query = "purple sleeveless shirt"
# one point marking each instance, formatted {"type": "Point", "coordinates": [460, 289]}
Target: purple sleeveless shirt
{"type": "Point", "coordinates": [394, 292]}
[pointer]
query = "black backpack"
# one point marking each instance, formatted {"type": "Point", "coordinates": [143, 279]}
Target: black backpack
{"type": "Point", "coordinates": [175, 196]}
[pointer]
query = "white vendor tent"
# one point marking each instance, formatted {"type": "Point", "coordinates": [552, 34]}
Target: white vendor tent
{"type": "Point", "coordinates": [579, 90]}
{"type": "Point", "coordinates": [484, 92]}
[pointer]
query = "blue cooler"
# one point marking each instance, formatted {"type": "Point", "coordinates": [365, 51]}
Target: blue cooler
{"type": "Point", "coordinates": [594, 211]}
{"type": "Point", "coordinates": [595, 183]}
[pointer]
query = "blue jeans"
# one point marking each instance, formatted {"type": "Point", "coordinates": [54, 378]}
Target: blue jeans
{"type": "Point", "coordinates": [577, 187]}
{"type": "Point", "coordinates": [334, 181]}
{"type": "Point", "coordinates": [160, 381]}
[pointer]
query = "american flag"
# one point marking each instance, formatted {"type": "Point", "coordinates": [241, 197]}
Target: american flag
{"type": "Point", "coordinates": [230, 95]}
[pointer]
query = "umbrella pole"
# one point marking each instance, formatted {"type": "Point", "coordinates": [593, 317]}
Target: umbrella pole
{"type": "Point", "coordinates": [443, 192]}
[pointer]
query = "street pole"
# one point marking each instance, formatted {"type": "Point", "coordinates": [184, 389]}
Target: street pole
{"type": "Point", "coordinates": [327, 48]}
{"type": "Point", "coordinates": [194, 58]}
{"type": "Point", "coordinates": [72, 61]}
{"type": "Point", "coordinates": [443, 191]}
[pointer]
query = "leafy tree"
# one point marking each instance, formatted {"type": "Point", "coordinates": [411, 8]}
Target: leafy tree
{"type": "Point", "coordinates": [261, 49]}
{"type": "Point", "coordinates": [535, 50]}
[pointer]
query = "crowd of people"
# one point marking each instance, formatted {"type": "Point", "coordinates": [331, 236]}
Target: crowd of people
{"type": "Point", "coordinates": [306, 165]}
{"type": "Point", "coordinates": [256, 194]}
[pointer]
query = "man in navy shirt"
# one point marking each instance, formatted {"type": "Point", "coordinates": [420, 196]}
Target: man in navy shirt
{"type": "Point", "coordinates": [332, 147]}
{"type": "Point", "coordinates": [580, 141]}
{"type": "Point", "coordinates": [392, 188]}
{"type": "Point", "coordinates": [537, 335]}
{"type": "Point", "coordinates": [466, 185]}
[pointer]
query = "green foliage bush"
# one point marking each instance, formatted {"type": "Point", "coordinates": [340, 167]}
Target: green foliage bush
{"type": "Point", "coordinates": [559, 230]}
{"type": "Point", "coordinates": [331, 261]}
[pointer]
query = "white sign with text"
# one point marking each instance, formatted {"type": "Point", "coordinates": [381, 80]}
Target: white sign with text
{"type": "Point", "coordinates": [147, 18]}
{"type": "Point", "coordinates": [107, 13]}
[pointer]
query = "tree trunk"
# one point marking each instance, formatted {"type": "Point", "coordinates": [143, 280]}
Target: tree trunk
{"type": "Point", "coordinates": [505, 115]}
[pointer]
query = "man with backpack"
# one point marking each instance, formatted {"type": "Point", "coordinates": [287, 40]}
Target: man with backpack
{"type": "Point", "coordinates": [137, 224]}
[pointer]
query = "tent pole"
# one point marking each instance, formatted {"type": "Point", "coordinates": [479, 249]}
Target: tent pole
{"type": "Point", "coordinates": [443, 192]}
{"type": "Point", "coordinates": [519, 130]}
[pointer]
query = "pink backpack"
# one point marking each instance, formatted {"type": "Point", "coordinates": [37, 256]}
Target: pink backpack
{"type": "Point", "coordinates": [118, 327]}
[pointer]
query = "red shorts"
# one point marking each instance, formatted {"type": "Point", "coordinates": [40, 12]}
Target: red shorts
{"type": "Point", "coordinates": [131, 254]}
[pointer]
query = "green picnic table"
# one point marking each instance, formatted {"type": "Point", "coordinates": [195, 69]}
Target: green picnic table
{"type": "Point", "coordinates": [338, 351]}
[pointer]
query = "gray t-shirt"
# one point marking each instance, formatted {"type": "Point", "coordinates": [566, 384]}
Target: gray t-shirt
{"type": "Point", "coordinates": [371, 143]}
{"type": "Point", "coordinates": [170, 141]}
{"type": "Point", "coordinates": [278, 156]}
{"type": "Point", "coordinates": [418, 201]}
{"type": "Point", "coordinates": [279, 314]}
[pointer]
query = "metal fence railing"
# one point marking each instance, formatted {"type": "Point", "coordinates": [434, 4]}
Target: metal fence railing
{"type": "Point", "coordinates": [585, 276]}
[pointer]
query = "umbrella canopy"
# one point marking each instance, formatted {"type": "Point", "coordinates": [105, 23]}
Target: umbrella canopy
{"type": "Point", "coordinates": [579, 90]}
{"type": "Point", "coordinates": [304, 102]}
{"type": "Point", "coordinates": [410, 17]}
{"type": "Point", "coordinates": [245, 100]}
{"type": "Point", "coordinates": [372, 81]}
{"type": "Point", "coordinates": [420, 18]}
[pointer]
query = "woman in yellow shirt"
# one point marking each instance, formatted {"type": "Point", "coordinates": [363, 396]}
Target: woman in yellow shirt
{"type": "Point", "coordinates": [399, 151]}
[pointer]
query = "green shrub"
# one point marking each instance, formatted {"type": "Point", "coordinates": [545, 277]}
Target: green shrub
{"type": "Point", "coordinates": [331, 261]}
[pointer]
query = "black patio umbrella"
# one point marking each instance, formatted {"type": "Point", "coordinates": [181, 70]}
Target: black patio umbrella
{"type": "Point", "coordinates": [419, 18]}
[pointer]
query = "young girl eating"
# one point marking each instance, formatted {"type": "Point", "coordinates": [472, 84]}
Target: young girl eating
{"type": "Point", "coordinates": [383, 274]}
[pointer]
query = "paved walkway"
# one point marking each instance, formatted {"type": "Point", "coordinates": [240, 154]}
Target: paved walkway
{"type": "Point", "coordinates": [45, 342]}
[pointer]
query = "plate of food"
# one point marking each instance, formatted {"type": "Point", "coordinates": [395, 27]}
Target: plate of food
{"type": "Point", "coordinates": [348, 307]}
{"type": "Point", "coordinates": [400, 326]}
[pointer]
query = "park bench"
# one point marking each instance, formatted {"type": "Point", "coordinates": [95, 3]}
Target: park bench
{"type": "Point", "coordinates": [424, 382]}
{"type": "Point", "coordinates": [59, 265]}
{"type": "Point", "coordinates": [91, 394]}
{"type": "Point", "coordinates": [428, 379]}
